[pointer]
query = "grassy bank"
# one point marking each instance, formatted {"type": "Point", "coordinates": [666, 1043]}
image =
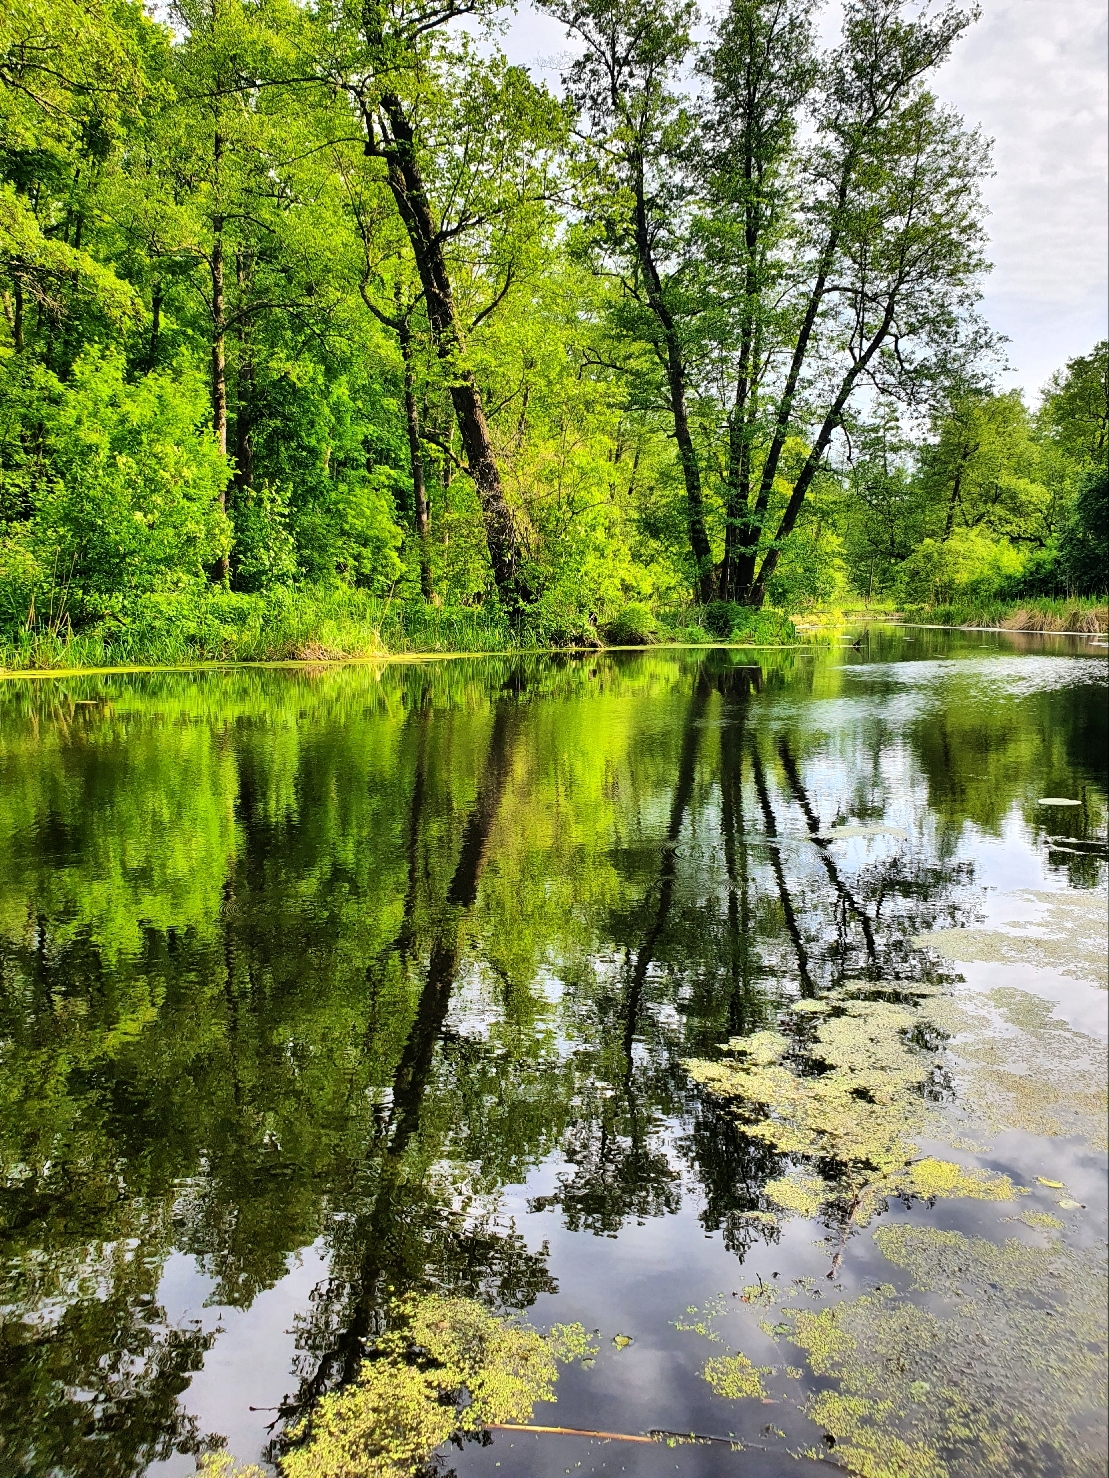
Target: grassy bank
{"type": "Point", "coordinates": [308, 624]}
{"type": "Point", "coordinates": [1076, 614]}
{"type": "Point", "coordinates": [1088, 614]}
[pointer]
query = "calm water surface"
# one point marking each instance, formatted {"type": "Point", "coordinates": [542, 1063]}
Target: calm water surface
{"type": "Point", "coordinates": [322, 987]}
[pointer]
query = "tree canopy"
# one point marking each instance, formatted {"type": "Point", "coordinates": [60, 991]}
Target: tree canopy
{"type": "Point", "coordinates": [302, 293]}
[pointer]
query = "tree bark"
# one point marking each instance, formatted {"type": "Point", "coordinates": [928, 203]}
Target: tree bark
{"type": "Point", "coordinates": [397, 146]}
{"type": "Point", "coordinates": [155, 326]}
{"type": "Point", "coordinates": [219, 350]}
{"type": "Point", "coordinates": [676, 380]}
{"type": "Point", "coordinates": [737, 494]}
{"type": "Point", "coordinates": [415, 453]}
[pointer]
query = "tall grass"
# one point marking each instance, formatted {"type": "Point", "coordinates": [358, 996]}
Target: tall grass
{"type": "Point", "coordinates": [215, 625]}
{"type": "Point", "coordinates": [311, 624]}
{"type": "Point", "coordinates": [1040, 613]}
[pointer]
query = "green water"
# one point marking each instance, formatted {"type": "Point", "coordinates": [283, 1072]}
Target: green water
{"type": "Point", "coordinates": [321, 987]}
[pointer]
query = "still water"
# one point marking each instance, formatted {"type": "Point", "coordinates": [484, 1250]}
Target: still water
{"type": "Point", "coordinates": [747, 1008]}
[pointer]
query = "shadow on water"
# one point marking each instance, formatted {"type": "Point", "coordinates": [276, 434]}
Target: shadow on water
{"type": "Point", "coordinates": [396, 973]}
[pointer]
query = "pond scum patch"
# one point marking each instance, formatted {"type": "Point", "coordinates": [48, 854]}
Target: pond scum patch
{"type": "Point", "coordinates": [842, 1096]}
{"type": "Point", "coordinates": [449, 1368]}
{"type": "Point", "coordinates": [999, 1365]}
{"type": "Point", "coordinates": [1005, 1366]}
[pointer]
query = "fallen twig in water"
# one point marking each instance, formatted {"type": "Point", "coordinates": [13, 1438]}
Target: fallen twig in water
{"type": "Point", "coordinates": [661, 1434]}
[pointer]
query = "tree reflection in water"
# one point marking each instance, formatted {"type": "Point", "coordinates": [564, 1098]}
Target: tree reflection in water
{"type": "Point", "coordinates": [334, 957]}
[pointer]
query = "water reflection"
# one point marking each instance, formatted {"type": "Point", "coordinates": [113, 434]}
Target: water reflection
{"type": "Point", "coordinates": [330, 959]}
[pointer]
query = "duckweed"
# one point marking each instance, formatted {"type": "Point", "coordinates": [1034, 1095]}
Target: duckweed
{"type": "Point", "coordinates": [1009, 1358]}
{"type": "Point", "coordinates": [1067, 935]}
{"type": "Point", "coordinates": [735, 1377]}
{"type": "Point", "coordinates": [1019, 1067]}
{"type": "Point", "coordinates": [1042, 1221]}
{"type": "Point", "coordinates": [851, 1099]}
{"type": "Point", "coordinates": [451, 1367]}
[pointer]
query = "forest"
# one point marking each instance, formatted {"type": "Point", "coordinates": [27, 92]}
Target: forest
{"type": "Point", "coordinates": [327, 329]}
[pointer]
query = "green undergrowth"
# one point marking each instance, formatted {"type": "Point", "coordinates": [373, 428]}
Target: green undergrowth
{"type": "Point", "coordinates": [311, 624]}
{"type": "Point", "coordinates": [1083, 614]}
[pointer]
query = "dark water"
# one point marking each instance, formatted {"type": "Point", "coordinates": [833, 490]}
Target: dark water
{"type": "Point", "coordinates": [319, 987]}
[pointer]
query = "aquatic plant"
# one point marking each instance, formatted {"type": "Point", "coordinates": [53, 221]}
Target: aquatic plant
{"type": "Point", "coordinates": [844, 1105]}
{"type": "Point", "coordinates": [735, 1377]}
{"type": "Point", "coordinates": [450, 1366]}
{"type": "Point", "coordinates": [911, 1395]}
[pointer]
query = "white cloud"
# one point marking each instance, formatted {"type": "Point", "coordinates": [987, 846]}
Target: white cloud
{"type": "Point", "coordinates": [1033, 75]}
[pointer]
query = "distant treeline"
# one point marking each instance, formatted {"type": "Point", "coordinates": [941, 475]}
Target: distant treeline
{"type": "Point", "coordinates": [322, 296]}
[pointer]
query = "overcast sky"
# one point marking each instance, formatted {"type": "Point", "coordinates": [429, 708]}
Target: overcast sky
{"type": "Point", "coordinates": [1034, 74]}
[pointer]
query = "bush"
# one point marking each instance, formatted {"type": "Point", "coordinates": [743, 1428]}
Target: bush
{"type": "Point", "coordinates": [634, 626]}
{"type": "Point", "coordinates": [736, 623]}
{"type": "Point", "coordinates": [969, 566]}
{"type": "Point", "coordinates": [110, 489]}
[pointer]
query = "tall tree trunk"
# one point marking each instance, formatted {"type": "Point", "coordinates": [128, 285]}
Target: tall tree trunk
{"type": "Point", "coordinates": [415, 453]}
{"type": "Point", "coordinates": [956, 492]}
{"type": "Point", "coordinates": [405, 181]}
{"type": "Point", "coordinates": [219, 338]}
{"type": "Point", "coordinates": [676, 381]}
{"type": "Point", "coordinates": [244, 385]}
{"type": "Point", "coordinates": [737, 570]}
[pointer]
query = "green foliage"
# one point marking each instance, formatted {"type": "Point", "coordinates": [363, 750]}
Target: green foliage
{"type": "Point", "coordinates": [1084, 546]}
{"type": "Point", "coordinates": [739, 623]}
{"type": "Point", "coordinates": [230, 354]}
{"type": "Point", "coordinates": [633, 626]}
{"type": "Point", "coordinates": [998, 506]}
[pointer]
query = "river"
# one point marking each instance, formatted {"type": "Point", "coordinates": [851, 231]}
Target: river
{"type": "Point", "coordinates": [746, 1007]}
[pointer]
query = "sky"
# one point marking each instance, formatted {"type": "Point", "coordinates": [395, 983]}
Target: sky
{"type": "Point", "coordinates": [1034, 75]}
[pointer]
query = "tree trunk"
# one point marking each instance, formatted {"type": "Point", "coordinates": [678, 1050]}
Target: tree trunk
{"type": "Point", "coordinates": [419, 486]}
{"type": "Point", "coordinates": [676, 384]}
{"type": "Point", "coordinates": [738, 568]}
{"type": "Point", "coordinates": [407, 187]}
{"type": "Point", "coordinates": [155, 326]}
{"type": "Point", "coordinates": [219, 352]}
{"type": "Point", "coordinates": [244, 399]}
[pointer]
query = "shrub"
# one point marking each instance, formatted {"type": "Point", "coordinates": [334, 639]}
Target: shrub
{"type": "Point", "coordinates": [1084, 547]}
{"type": "Point", "coordinates": [736, 623]}
{"type": "Point", "coordinates": [634, 626]}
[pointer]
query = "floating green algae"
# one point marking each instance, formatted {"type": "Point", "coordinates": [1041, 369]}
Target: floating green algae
{"type": "Point", "coordinates": [225, 1465]}
{"type": "Point", "coordinates": [735, 1377]}
{"type": "Point", "coordinates": [452, 1367]}
{"type": "Point", "coordinates": [1042, 1221]}
{"type": "Point", "coordinates": [1005, 1368]}
{"type": "Point", "coordinates": [848, 1096]}
{"type": "Point", "coordinates": [1018, 1067]}
{"type": "Point", "coordinates": [1067, 933]}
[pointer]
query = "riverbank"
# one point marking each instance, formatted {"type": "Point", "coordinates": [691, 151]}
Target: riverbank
{"type": "Point", "coordinates": [1077, 615]}
{"type": "Point", "coordinates": [307, 624]}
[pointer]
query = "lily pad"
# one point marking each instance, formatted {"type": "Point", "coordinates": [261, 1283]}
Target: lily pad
{"type": "Point", "coordinates": [1057, 800]}
{"type": "Point", "coordinates": [862, 829]}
